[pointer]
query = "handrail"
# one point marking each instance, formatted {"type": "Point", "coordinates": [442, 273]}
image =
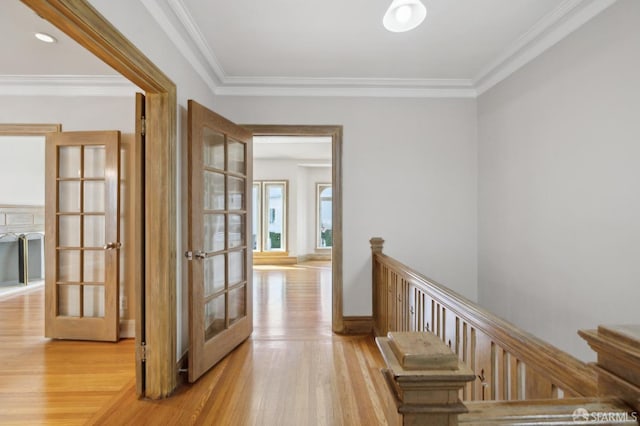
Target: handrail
{"type": "Point", "coordinates": [561, 369]}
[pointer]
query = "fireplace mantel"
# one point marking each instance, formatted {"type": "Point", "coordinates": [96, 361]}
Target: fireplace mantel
{"type": "Point", "coordinates": [20, 219]}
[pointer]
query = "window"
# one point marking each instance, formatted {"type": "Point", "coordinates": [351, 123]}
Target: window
{"type": "Point", "coordinates": [324, 215]}
{"type": "Point", "coordinates": [257, 218]}
{"type": "Point", "coordinates": [270, 216]}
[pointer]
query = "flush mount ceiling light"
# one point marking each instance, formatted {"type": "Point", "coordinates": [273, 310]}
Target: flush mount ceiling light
{"type": "Point", "coordinates": [404, 15]}
{"type": "Point", "coordinates": [45, 37]}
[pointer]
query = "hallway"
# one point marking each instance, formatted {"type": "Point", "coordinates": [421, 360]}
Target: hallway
{"type": "Point", "coordinates": [292, 371]}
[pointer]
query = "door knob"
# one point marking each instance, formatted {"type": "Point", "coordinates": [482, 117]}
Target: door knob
{"type": "Point", "coordinates": [114, 245]}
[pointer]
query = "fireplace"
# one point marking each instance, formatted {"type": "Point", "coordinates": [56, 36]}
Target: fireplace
{"type": "Point", "coordinates": [21, 244]}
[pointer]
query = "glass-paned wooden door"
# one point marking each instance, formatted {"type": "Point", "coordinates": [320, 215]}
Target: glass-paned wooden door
{"type": "Point", "coordinates": [220, 246]}
{"type": "Point", "coordinates": [81, 234]}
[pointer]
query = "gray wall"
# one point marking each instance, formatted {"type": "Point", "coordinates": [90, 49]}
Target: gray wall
{"type": "Point", "coordinates": [559, 203]}
{"type": "Point", "coordinates": [22, 170]}
{"type": "Point", "coordinates": [409, 176]}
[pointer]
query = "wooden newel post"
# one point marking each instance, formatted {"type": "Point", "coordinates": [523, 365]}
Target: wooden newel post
{"type": "Point", "coordinates": [376, 289]}
{"type": "Point", "coordinates": [425, 378]}
{"type": "Point", "coordinates": [618, 365]}
{"type": "Point", "coordinates": [376, 244]}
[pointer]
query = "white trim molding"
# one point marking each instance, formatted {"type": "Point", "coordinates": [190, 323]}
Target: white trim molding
{"type": "Point", "coordinates": [552, 28]}
{"type": "Point", "coordinates": [189, 48]}
{"type": "Point", "coordinates": [196, 37]}
{"type": "Point", "coordinates": [66, 85]}
{"type": "Point", "coordinates": [353, 91]}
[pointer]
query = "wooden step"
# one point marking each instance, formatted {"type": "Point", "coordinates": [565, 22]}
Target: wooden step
{"type": "Point", "coordinates": [569, 411]}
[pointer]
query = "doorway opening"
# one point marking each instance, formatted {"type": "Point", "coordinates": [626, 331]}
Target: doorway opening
{"type": "Point", "coordinates": [291, 224]}
{"type": "Point", "coordinates": [309, 241]}
{"type": "Point", "coordinates": [156, 369]}
{"type": "Point", "coordinates": [291, 233]}
{"type": "Point", "coordinates": [22, 212]}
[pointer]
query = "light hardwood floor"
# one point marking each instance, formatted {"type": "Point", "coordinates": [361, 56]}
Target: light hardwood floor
{"type": "Point", "coordinates": [292, 371]}
{"type": "Point", "coordinates": [45, 381]}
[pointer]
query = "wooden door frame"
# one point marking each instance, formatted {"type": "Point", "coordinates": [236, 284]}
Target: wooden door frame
{"type": "Point", "coordinates": [335, 132]}
{"type": "Point", "coordinates": [27, 129]}
{"type": "Point", "coordinates": [80, 21]}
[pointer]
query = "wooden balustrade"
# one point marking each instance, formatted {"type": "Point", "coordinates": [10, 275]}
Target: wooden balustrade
{"type": "Point", "coordinates": [509, 363]}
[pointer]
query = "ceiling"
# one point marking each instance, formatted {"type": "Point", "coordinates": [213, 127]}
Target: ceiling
{"type": "Point", "coordinates": [340, 47]}
{"type": "Point", "coordinates": [30, 56]}
{"type": "Point", "coordinates": [346, 39]}
{"type": "Point", "coordinates": [308, 151]}
{"type": "Point", "coordinates": [317, 47]}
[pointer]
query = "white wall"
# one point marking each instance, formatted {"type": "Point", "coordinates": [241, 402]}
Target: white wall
{"type": "Point", "coordinates": [409, 175]}
{"type": "Point", "coordinates": [559, 205]}
{"type": "Point", "coordinates": [301, 202]}
{"type": "Point", "coordinates": [74, 113]}
{"type": "Point", "coordinates": [22, 170]}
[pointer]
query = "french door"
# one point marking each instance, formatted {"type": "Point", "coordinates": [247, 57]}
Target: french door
{"type": "Point", "coordinates": [81, 235]}
{"type": "Point", "coordinates": [219, 200]}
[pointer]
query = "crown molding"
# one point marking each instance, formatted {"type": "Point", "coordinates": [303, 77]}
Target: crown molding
{"type": "Point", "coordinates": [347, 82]}
{"type": "Point", "coordinates": [66, 85]}
{"type": "Point", "coordinates": [375, 92]}
{"type": "Point", "coordinates": [552, 28]}
{"type": "Point", "coordinates": [185, 18]}
{"type": "Point", "coordinates": [188, 47]}
{"type": "Point", "coordinates": [347, 87]}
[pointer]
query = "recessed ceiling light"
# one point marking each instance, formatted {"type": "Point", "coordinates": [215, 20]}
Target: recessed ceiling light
{"type": "Point", "coordinates": [45, 37]}
{"type": "Point", "coordinates": [404, 15]}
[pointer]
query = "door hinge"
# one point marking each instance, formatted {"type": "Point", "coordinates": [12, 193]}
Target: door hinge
{"type": "Point", "coordinates": [143, 126]}
{"type": "Point", "coordinates": [141, 352]}
{"type": "Point", "coordinates": [198, 254]}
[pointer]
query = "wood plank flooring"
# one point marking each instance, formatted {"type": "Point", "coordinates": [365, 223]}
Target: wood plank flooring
{"type": "Point", "coordinates": [45, 381]}
{"type": "Point", "coordinates": [292, 371]}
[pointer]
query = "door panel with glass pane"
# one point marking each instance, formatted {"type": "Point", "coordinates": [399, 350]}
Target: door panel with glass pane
{"type": "Point", "coordinates": [82, 228]}
{"type": "Point", "coordinates": [219, 192]}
